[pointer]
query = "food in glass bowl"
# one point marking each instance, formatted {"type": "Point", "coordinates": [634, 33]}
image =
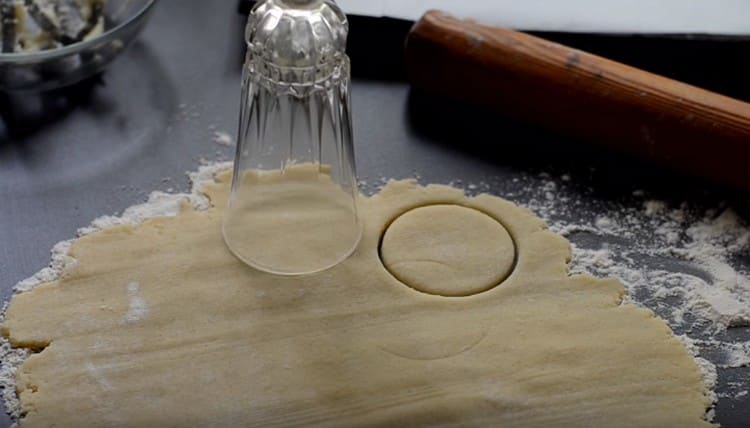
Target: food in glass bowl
{"type": "Point", "coordinates": [34, 25]}
{"type": "Point", "coordinates": [47, 44]}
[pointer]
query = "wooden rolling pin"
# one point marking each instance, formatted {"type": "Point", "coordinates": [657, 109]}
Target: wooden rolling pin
{"type": "Point", "coordinates": [584, 95]}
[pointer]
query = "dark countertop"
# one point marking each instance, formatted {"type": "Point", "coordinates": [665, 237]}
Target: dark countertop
{"type": "Point", "coordinates": [76, 154]}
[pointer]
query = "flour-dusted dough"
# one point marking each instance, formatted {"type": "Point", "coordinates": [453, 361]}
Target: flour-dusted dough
{"type": "Point", "coordinates": [159, 325]}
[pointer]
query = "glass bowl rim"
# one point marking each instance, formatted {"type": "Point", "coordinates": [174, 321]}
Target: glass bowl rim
{"type": "Point", "coordinates": [78, 46]}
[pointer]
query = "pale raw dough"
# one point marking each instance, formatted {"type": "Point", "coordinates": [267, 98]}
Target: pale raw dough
{"type": "Point", "coordinates": [448, 250]}
{"type": "Point", "coordinates": [267, 229]}
{"type": "Point", "coordinates": [159, 325]}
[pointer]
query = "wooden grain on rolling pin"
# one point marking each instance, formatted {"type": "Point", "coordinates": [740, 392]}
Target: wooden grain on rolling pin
{"type": "Point", "coordinates": [577, 93]}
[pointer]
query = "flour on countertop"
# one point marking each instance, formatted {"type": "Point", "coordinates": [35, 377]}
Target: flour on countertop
{"type": "Point", "coordinates": [60, 261]}
{"type": "Point", "coordinates": [161, 204]}
{"type": "Point", "coordinates": [223, 138]}
{"type": "Point", "coordinates": [678, 261]}
{"type": "Point", "coordinates": [10, 359]}
{"type": "Point", "coordinates": [636, 245]}
{"type": "Point", "coordinates": [707, 368]}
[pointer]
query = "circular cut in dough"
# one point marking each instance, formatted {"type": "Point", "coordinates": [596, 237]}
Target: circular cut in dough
{"type": "Point", "coordinates": [448, 250]}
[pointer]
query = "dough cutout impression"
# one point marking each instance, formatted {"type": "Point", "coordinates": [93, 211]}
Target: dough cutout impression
{"type": "Point", "coordinates": [448, 250]}
{"type": "Point", "coordinates": [160, 325]}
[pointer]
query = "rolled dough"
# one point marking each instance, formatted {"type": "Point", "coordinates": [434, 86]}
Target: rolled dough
{"type": "Point", "coordinates": [159, 325]}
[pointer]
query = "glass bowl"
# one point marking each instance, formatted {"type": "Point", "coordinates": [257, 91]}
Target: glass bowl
{"type": "Point", "coordinates": [55, 68]}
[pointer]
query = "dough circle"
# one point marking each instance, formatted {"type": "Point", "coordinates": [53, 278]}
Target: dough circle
{"type": "Point", "coordinates": [448, 250]}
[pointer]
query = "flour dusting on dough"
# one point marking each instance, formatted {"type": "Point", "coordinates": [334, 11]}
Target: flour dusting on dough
{"type": "Point", "coordinates": [137, 309]}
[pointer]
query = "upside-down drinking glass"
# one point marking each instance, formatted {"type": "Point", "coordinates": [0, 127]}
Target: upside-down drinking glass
{"type": "Point", "coordinates": [293, 204]}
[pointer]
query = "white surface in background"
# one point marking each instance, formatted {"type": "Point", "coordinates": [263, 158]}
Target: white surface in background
{"type": "Point", "coordinates": [722, 17]}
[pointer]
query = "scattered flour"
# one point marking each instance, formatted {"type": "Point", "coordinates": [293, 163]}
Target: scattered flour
{"type": "Point", "coordinates": [678, 261]}
{"type": "Point", "coordinates": [223, 138]}
{"type": "Point", "coordinates": [161, 204]}
{"type": "Point", "coordinates": [59, 262]}
{"type": "Point", "coordinates": [10, 359]}
{"type": "Point", "coordinates": [663, 255]}
{"type": "Point", "coordinates": [707, 368]}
